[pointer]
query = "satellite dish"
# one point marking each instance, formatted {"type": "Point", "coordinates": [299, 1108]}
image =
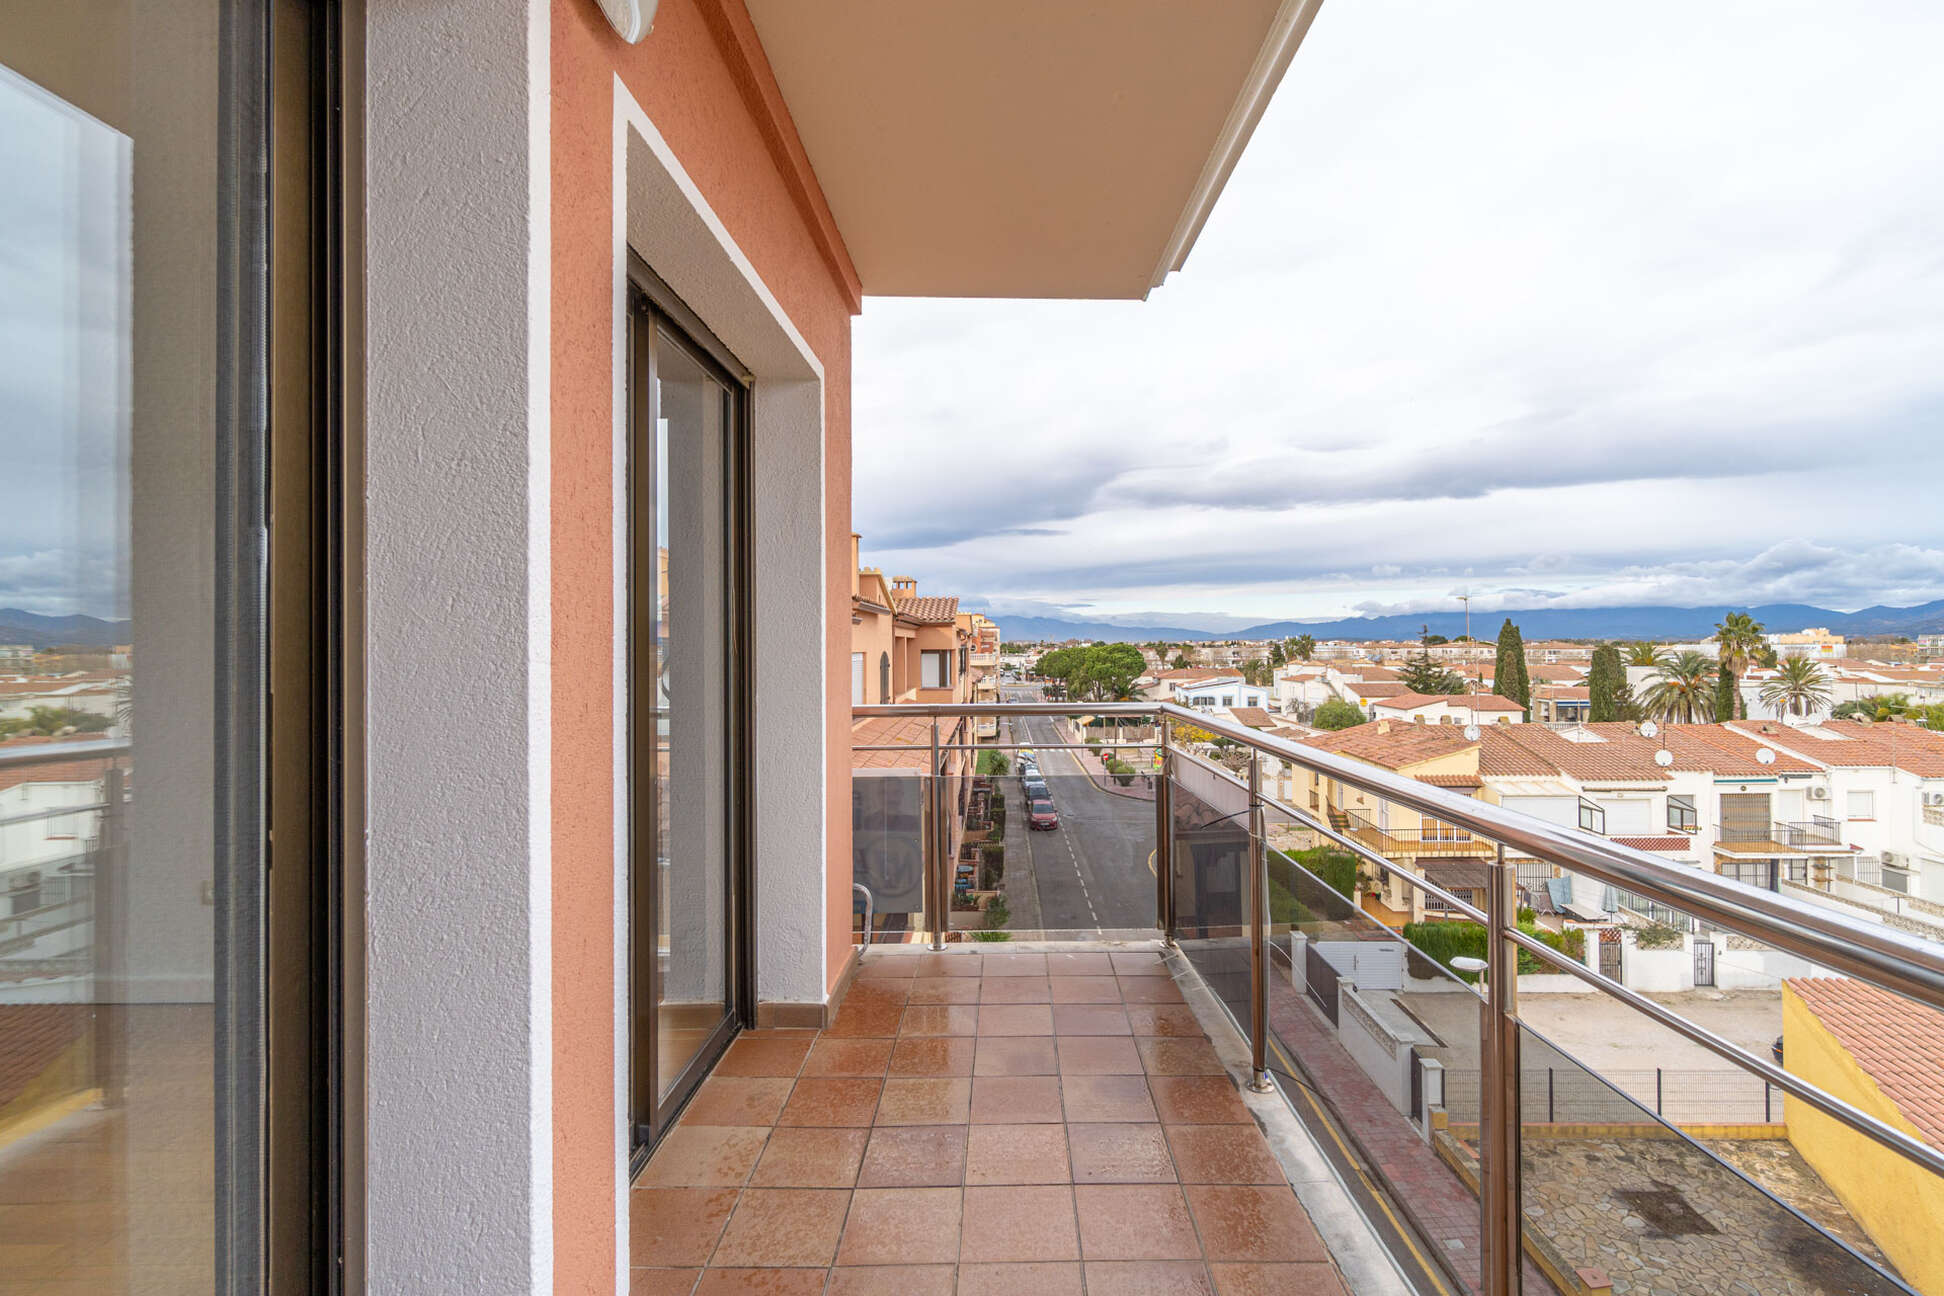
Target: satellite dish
{"type": "Point", "coordinates": [1471, 733]}
{"type": "Point", "coordinates": [1766, 756]}
{"type": "Point", "coordinates": [1663, 758]}
{"type": "Point", "coordinates": [1648, 729]}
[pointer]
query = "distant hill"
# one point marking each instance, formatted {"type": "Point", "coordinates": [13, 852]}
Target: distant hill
{"type": "Point", "coordinates": [1026, 629]}
{"type": "Point", "coordinates": [1660, 623]}
{"type": "Point", "coordinates": [18, 627]}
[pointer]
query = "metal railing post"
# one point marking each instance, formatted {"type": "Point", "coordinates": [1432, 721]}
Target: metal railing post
{"type": "Point", "coordinates": [1258, 933]}
{"type": "Point", "coordinates": [1499, 1082]}
{"type": "Point", "coordinates": [1164, 834]}
{"type": "Point", "coordinates": [936, 847]}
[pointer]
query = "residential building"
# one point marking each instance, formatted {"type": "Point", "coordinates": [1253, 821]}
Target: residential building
{"type": "Point", "coordinates": [1882, 786]}
{"type": "Point", "coordinates": [1442, 852]}
{"type": "Point", "coordinates": [1446, 708]}
{"type": "Point", "coordinates": [1561, 703]}
{"type": "Point", "coordinates": [1817, 644]}
{"type": "Point", "coordinates": [1554, 652]}
{"type": "Point", "coordinates": [1208, 689]}
{"type": "Point", "coordinates": [1884, 1055]}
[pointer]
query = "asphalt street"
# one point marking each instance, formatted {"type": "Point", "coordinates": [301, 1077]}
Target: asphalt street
{"type": "Point", "coordinates": [1093, 872]}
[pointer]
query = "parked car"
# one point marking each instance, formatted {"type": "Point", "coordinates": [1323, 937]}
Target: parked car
{"type": "Point", "coordinates": [1041, 816]}
{"type": "Point", "coordinates": [1036, 789]}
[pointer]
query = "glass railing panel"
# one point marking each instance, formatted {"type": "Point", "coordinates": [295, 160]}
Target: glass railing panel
{"type": "Point", "coordinates": [888, 831]}
{"type": "Point", "coordinates": [1210, 880]}
{"type": "Point", "coordinates": [1066, 854]}
{"type": "Point", "coordinates": [1349, 1003]}
{"type": "Point", "coordinates": [1675, 1183]}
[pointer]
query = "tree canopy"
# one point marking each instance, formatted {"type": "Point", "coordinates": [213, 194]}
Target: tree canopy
{"type": "Point", "coordinates": [1423, 675]}
{"type": "Point", "coordinates": [1683, 689]}
{"type": "Point", "coordinates": [1100, 673]}
{"type": "Point", "coordinates": [1799, 689]}
{"type": "Point", "coordinates": [1337, 714]}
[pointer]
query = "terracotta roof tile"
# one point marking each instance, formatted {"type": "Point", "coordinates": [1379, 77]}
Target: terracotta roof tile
{"type": "Point", "coordinates": [913, 732]}
{"type": "Point", "coordinates": [1393, 744]}
{"type": "Point", "coordinates": [1898, 1043]}
{"type": "Point", "coordinates": [1622, 756]}
{"type": "Point", "coordinates": [1255, 717]}
{"type": "Point", "coordinates": [930, 611]}
{"type": "Point", "coordinates": [1850, 744]}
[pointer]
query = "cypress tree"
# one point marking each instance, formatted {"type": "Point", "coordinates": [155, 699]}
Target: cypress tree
{"type": "Point", "coordinates": [1605, 682]}
{"type": "Point", "coordinates": [1509, 678]}
{"type": "Point", "coordinates": [1726, 695]}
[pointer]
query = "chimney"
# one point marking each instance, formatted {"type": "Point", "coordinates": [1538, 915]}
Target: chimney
{"type": "Point", "coordinates": [904, 585]}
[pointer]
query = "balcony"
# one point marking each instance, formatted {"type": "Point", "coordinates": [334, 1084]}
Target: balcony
{"type": "Point", "coordinates": [1815, 837]}
{"type": "Point", "coordinates": [1575, 1134]}
{"type": "Point", "coordinates": [1446, 840]}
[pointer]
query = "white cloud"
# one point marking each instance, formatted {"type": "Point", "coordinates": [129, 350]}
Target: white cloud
{"type": "Point", "coordinates": [1625, 307]}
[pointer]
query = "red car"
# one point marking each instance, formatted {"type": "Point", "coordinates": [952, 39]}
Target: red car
{"type": "Point", "coordinates": [1040, 814]}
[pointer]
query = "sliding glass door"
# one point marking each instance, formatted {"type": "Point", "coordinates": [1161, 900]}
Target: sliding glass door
{"type": "Point", "coordinates": [163, 1067]}
{"type": "Point", "coordinates": [688, 704]}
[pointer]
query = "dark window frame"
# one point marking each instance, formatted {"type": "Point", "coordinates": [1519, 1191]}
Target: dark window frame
{"type": "Point", "coordinates": [658, 316]}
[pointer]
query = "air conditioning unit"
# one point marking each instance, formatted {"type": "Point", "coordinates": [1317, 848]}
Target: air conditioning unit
{"type": "Point", "coordinates": [1934, 798]}
{"type": "Point", "coordinates": [1819, 794]}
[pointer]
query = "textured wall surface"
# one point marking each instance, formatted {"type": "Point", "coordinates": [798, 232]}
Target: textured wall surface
{"type": "Point", "coordinates": [459, 927]}
{"type": "Point", "coordinates": [687, 85]}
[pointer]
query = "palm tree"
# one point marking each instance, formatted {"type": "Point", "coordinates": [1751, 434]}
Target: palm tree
{"type": "Point", "coordinates": [1643, 654]}
{"type": "Point", "coordinates": [1303, 645]}
{"type": "Point", "coordinates": [1800, 688]}
{"type": "Point", "coordinates": [1682, 690]}
{"type": "Point", "coordinates": [1738, 639]}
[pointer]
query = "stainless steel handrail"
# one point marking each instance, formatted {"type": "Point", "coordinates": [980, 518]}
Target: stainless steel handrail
{"type": "Point", "coordinates": [49, 753]}
{"type": "Point", "coordinates": [1873, 952]}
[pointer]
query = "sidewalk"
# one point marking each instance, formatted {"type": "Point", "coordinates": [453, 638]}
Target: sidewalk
{"type": "Point", "coordinates": [1437, 1202]}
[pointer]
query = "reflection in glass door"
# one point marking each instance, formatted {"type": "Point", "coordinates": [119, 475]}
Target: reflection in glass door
{"type": "Point", "coordinates": [687, 707]}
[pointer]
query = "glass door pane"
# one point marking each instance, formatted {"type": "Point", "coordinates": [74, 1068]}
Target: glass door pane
{"type": "Point", "coordinates": [686, 703]}
{"type": "Point", "coordinates": [131, 628]}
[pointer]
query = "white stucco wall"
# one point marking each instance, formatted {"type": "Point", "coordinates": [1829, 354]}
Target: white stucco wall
{"type": "Point", "coordinates": [458, 900]}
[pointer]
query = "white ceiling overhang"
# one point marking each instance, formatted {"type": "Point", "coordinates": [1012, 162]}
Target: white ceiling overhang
{"type": "Point", "coordinates": [1024, 148]}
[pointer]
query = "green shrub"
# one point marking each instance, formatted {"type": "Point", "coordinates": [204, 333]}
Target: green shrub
{"type": "Point", "coordinates": [1336, 868]}
{"type": "Point", "coordinates": [1337, 714]}
{"type": "Point", "coordinates": [993, 762]}
{"type": "Point", "coordinates": [1445, 941]}
{"type": "Point", "coordinates": [1656, 936]}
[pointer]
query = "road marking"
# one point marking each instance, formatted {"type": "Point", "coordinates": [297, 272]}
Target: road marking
{"type": "Point", "coordinates": [1356, 1163]}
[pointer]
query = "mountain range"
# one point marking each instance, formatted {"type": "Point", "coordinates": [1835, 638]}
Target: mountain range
{"type": "Point", "coordinates": [1657, 623]}
{"type": "Point", "coordinates": [18, 627]}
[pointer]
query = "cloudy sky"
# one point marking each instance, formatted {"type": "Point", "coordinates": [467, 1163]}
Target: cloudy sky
{"type": "Point", "coordinates": [64, 338]}
{"type": "Point", "coordinates": [1561, 304]}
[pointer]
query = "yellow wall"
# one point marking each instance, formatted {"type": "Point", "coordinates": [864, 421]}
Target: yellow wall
{"type": "Point", "coordinates": [1899, 1204]}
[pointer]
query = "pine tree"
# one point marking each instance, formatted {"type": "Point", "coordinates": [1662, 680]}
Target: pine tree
{"type": "Point", "coordinates": [1509, 678]}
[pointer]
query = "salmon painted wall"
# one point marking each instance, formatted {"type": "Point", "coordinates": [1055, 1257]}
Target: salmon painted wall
{"type": "Point", "coordinates": [689, 79]}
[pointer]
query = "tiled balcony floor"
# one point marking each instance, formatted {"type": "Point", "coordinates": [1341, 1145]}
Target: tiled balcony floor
{"type": "Point", "coordinates": [978, 1121]}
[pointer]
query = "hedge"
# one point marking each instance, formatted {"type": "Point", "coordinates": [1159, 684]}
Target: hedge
{"type": "Point", "coordinates": [1445, 941]}
{"type": "Point", "coordinates": [1337, 869]}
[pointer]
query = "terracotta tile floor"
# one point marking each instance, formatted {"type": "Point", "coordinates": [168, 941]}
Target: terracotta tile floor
{"type": "Point", "coordinates": [977, 1122]}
